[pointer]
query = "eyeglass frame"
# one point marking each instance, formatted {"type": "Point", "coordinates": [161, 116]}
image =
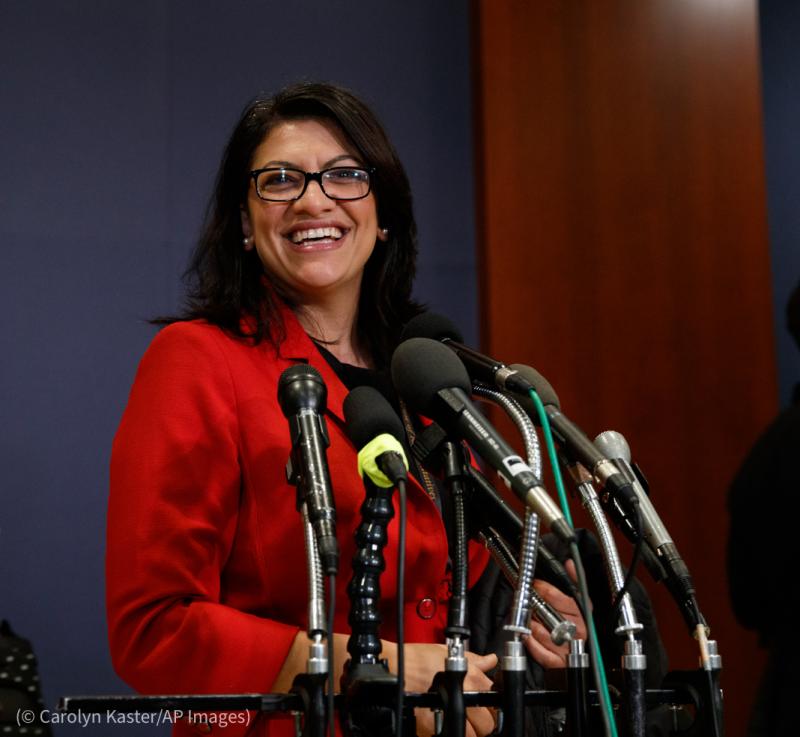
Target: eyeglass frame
{"type": "Point", "coordinates": [314, 176]}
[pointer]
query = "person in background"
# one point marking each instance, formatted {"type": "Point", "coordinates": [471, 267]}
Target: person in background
{"type": "Point", "coordinates": [763, 599]}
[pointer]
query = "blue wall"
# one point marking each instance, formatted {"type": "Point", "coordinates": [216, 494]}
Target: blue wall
{"type": "Point", "coordinates": [780, 60]}
{"type": "Point", "coordinates": [114, 116]}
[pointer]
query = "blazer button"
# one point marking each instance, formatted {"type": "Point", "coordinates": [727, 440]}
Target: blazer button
{"type": "Point", "coordinates": [426, 608]}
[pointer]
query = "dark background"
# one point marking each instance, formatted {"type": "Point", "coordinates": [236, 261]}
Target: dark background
{"type": "Point", "coordinates": [780, 60]}
{"type": "Point", "coordinates": [113, 120]}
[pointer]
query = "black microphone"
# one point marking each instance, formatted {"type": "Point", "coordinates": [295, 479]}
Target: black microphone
{"type": "Point", "coordinates": [435, 383]}
{"type": "Point", "coordinates": [375, 429]}
{"type": "Point", "coordinates": [481, 368]}
{"type": "Point", "coordinates": [520, 379]}
{"type": "Point", "coordinates": [573, 439]}
{"type": "Point", "coordinates": [302, 395]}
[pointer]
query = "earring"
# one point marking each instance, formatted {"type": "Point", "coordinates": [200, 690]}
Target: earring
{"type": "Point", "coordinates": [384, 233]}
{"type": "Point", "coordinates": [248, 242]}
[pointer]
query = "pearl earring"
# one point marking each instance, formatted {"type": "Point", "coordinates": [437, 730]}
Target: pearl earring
{"type": "Point", "coordinates": [248, 242]}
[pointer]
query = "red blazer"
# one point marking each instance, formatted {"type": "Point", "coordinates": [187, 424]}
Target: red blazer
{"type": "Point", "coordinates": [205, 565]}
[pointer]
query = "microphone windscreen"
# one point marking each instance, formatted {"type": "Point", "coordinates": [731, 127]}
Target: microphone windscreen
{"type": "Point", "coordinates": [431, 325]}
{"type": "Point", "coordinates": [301, 387]}
{"type": "Point", "coordinates": [540, 384]}
{"type": "Point", "coordinates": [368, 414]}
{"type": "Point", "coordinates": [421, 367]}
{"type": "Point", "coordinates": [612, 444]}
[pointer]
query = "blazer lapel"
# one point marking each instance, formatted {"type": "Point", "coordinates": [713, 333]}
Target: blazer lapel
{"type": "Point", "coordinates": [299, 348]}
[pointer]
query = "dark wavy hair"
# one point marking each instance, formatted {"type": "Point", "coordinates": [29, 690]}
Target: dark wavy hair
{"type": "Point", "coordinates": [226, 282]}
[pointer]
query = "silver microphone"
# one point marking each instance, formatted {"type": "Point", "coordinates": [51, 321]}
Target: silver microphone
{"type": "Point", "coordinates": [613, 445]}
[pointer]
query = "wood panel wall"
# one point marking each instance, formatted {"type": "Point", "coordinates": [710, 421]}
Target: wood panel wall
{"type": "Point", "coordinates": [623, 251]}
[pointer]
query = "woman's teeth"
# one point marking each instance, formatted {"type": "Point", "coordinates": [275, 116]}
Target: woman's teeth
{"type": "Point", "coordinates": [299, 236]}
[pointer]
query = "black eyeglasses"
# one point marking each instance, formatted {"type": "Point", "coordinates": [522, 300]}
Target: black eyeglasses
{"type": "Point", "coordinates": [284, 184]}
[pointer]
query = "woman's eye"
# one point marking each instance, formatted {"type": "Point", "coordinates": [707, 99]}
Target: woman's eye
{"type": "Point", "coordinates": [342, 175]}
{"type": "Point", "coordinates": [280, 178]}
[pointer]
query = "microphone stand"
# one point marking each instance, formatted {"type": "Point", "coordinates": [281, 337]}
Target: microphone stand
{"type": "Point", "coordinates": [711, 666]}
{"type": "Point", "coordinates": [449, 684]}
{"type": "Point", "coordinates": [367, 685]}
{"type": "Point", "coordinates": [577, 722]}
{"type": "Point", "coordinates": [514, 660]}
{"type": "Point", "coordinates": [310, 686]}
{"type": "Point", "coordinates": [634, 661]}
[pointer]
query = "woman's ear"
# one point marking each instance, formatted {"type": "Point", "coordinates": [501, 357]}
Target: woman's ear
{"type": "Point", "coordinates": [383, 234]}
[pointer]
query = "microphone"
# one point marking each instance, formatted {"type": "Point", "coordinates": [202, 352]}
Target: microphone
{"type": "Point", "coordinates": [520, 379]}
{"type": "Point", "coordinates": [435, 383]}
{"type": "Point", "coordinates": [572, 438]}
{"type": "Point", "coordinates": [374, 428]}
{"type": "Point", "coordinates": [613, 445]}
{"type": "Point", "coordinates": [302, 396]}
{"type": "Point", "coordinates": [480, 367]}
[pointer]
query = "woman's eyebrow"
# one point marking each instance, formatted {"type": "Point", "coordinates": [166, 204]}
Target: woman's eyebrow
{"type": "Point", "coordinates": [341, 157]}
{"type": "Point", "coordinates": [326, 165]}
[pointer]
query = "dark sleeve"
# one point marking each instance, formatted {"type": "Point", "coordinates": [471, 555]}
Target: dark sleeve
{"type": "Point", "coordinates": [490, 602]}
{"type": "Point", "coordinates": [764, 487]}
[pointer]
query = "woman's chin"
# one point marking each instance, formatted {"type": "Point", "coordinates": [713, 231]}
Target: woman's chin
{"type": "Point", "coordinates": [324, 284]}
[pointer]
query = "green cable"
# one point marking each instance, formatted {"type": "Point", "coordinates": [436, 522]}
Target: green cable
{"type": "Point", "coordinates": [603, 695]}
{"type": "Point", "coordinates": [551, 453]}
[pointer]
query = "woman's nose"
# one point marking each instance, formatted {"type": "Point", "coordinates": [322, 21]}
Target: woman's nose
{"type": "Point", "coordinates": [314, 199]}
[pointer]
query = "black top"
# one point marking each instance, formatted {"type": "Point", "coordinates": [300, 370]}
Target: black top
{"type": "Point", "coordinates": [353, 376]}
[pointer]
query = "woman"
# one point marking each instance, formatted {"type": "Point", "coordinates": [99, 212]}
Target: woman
{"type": "Point", "coordinates": [308, 256]}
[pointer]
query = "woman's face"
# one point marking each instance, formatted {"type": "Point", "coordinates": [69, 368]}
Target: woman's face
{"type": "Point", "coordinates": [311, 267]}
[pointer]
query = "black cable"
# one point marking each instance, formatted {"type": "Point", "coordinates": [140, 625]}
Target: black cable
{"type": "Point", "coordinates": [637, 551]}
{"type": "Point", "coordinates": [401, 577]}
{"type": "Point", "coordinates": [331, 670]}
{"type": "Point", "coordinates": [594, 646]}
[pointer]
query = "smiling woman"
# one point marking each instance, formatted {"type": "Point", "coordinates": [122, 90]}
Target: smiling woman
{"type": "Point", "coordinates": [313, 134]}
{"type": "Point", "coordinates": [308, 256]}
